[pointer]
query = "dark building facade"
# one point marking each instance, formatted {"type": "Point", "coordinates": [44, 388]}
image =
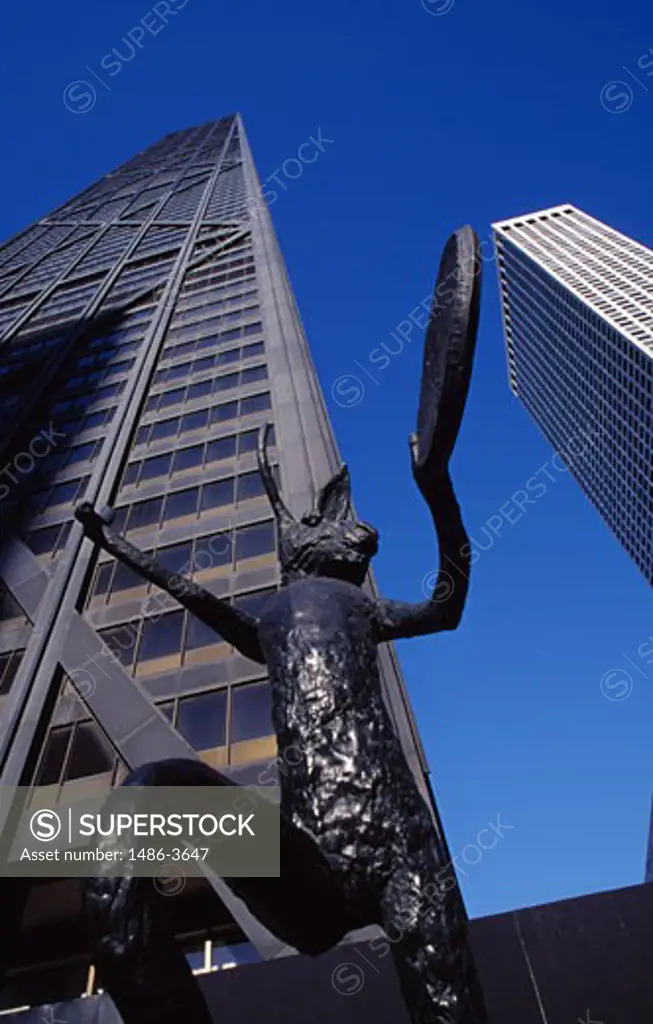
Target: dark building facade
{"type": "Point", "coordinates": [648, 871]}
{"type": "Point", "coordinates": [147, 330]}
{"type": "Point", "coordinates": [578, 961]}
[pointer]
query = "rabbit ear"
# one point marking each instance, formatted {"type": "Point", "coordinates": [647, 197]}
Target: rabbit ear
{"type": "Point", "coordinates": [282, 515]}
{"type": "Point", "coordinates": [335, 497]}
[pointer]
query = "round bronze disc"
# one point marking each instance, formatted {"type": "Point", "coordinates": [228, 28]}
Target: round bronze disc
{"type": "Point", "coordinates": [448, 352]}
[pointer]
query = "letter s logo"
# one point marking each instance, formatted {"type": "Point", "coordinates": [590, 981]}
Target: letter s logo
{"type": "Point", "coordinates": [617, 97]}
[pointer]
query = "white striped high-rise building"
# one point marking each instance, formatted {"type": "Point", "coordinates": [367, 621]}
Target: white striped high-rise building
{"type": "Point", "coordinates": [577, 301]}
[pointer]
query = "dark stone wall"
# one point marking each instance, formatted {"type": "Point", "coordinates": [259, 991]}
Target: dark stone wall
{"type": "Point", "coordinates": [587, 959]}
{"type": "Point", "coordinates": [581, 961]}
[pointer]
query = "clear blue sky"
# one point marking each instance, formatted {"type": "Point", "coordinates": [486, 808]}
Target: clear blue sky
{"type": "Point", "coordinates": [480, 113]}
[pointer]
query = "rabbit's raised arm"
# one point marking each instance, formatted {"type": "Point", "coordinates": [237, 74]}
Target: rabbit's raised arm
{"type": "Point", "coordinates": [235, 626]}
{"type": "Point", "coordinates": [446, 373]}
{"type": "Point", "coordinates": [443, 610]}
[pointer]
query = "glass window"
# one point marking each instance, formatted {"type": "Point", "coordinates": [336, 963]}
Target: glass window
{"type": "Point", "coordinates": [205, 363]}
{"type": "Point", "coordinates": [199, 390]}
{"type": "Point", "coordinates": [142, 435]}
{"type": "Point", "coordinates": [255, 540]}
{"type": "Point", "coordinates": [248, 442]}
{"type": "Point", "coordinates": [166, 428]}
{"type": "Point", "coordinates": [157, 466]}
{"type": "Point", "coordinates": [180, 350]}
{"type": "Point", "coordinates": [42, 541]}
{"type": "Point", "coordinates": [202, 720]}
{"type": "Point", "coordinates": [222, 448]}
{"type": "Point", "coordinates": [217, 494]}
{"type": "Point", "coordinates": [187, 458]}
{"type": "Point", "coordinates": [254, 373]}
{"type": "Point", "coordinates": [200, 635]}
{"type": "Point", "coordinates": [90, 753]}
{"type": "Point", "coordinates": [63, 493]}
{"type": "Point", "coordinates": [255, 403]}
{"type": "Point", "coordinates": [222, 413]}
{"type": "Point", "coordinates": [171, 397]}
{"type": "Point", "coordinates": [250, 485]}
{"type": "Point", "coordinates": [120, 518]}
{"type": "Point", "coordinates": [181, 370]}
{"type": "Point", "coordinates": [121, 640]}
{"type": "Point", "coordinates": [145, 513]}
{"type": "Point", "coordinates": [229, 335]}
{"type": "Point", "coordinates": [126, 579]}
{"type": "Point", "coordinates": [181, 503]}
{"type": "Point", "coordinates": [251, 712]}
{"type": "Point", "coordinates": [103, 578]}
{"type": "Point", "coordinates": [72, 427]}
{"type": "Point", "coordinates": [176, 557]}
{"type": "Point", "coordinates": [195, 420]}
{"type": "Point", "coordinates": [255, 349]}
{"type": "Point", "coordinates": [82, 452]}
{"type": "Point", "coordinates": [55, 461]}
{"type": "Point", "coordinates": [232, 356]}
{"type": "Point", "coordinates": [54, 754]}
{"type": "Point", "coordinates": [161, 636]}
{"type": "Point", "coordinates": [195, 959]}
{"type": "Point", "coordinates": [131, 474]}
{"type": "Point", "coordinates": [9, 665]}
{"type": "Point", "coordinates": [213, 551]}
{"type": "Point", "coordinates": [204, 343]}
{"type": "Point", "coordinates": [252, 328]}
{"type": "Point", "coordinates": [122, 367]}
{"type": "Point", "coordinates": [225, 383]}
{"type": "Point", "coordinates": [238, 953]}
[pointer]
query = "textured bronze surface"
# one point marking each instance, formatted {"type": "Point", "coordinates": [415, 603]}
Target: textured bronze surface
{"type": "Point", "coordinates": [358, 843]}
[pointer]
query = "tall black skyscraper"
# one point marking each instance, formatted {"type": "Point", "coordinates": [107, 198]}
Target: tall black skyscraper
{"type": "Point", "coordinates": [148, 329]}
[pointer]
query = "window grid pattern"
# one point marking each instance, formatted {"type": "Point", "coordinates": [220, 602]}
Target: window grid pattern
{"type": "Point", "coordinates": [54, 264]}
{"type": "Point", "coordinates": [610, 272]}
{"type": "Point", "coordinates": [583, 377]}
{"type": "Point", "coordinates": [216, 323]}
{"type": "Point", "coordinates": [81, 257]}
{"type": "Point", "coordinates": [31, 244]}
{"type": "Point", "coordinates": [174, 459]}
{"type": "Point", "coordinates": [177, 500]}
{"type": "Point", "coordinates": [228, 201]}
{"type": "Point", "coordinates": [226, 725]}
{"type": "Point", "coordinates": [183, 468]}
{"type": "Point", "coordinates": [198, 557]}
{"type": "Point", "coordinates": [95, 377]}
{"type": "Point", "coordinates": [107, 250]}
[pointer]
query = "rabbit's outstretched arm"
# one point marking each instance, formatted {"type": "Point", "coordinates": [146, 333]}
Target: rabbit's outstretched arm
{"type": "Point", "coordinates": [444, 609]}
{"type": "Point", "coordinates": [235, 626]}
